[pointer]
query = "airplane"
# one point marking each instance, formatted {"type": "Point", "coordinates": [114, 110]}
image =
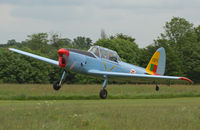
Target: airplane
{"type": "Point", "coordinates": [104, 63]}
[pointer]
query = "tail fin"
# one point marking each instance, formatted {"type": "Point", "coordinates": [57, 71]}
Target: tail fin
{"type": "Point", "coordinates": [157, 63]}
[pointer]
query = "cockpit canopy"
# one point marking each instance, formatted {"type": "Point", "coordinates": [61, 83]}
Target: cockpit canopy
{"type": "Point", "coordinates": [105, 53]}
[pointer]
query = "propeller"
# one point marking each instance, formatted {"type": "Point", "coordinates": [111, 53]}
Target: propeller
{"type": "Point", "coordinates": [63, 57]}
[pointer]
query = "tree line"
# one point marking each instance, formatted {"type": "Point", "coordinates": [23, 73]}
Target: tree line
{"type": "Point", "coordinates": [181, 40]}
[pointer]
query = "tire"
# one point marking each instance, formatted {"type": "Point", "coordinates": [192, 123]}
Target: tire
{"type": "Point", "coordinates": [56, 86]}
{"type": "Point", "coordinates": [157, 88]}
{"type": "Point", "coordinates": [103, 94]}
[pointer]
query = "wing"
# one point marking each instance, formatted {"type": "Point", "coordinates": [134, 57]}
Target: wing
{"type": "Point", "coordinates": [141, 77]}
{"type": "Point", "coordinates": [35, 56]}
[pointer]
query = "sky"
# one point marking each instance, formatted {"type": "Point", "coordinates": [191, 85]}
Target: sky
{"type": "Point", "coordinates": [140, 19]}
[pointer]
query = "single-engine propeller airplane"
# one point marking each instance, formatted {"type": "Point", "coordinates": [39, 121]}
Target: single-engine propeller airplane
{"type": "Point", "coordinates": [105, 63]}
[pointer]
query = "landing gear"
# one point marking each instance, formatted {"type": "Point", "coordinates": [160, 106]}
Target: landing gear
{"type": "Point", "coordinates": [103, 93]}
{"type": "Point", "coordinates": [57, 85]}
{"type": "Point", "coordinates": [157, 88]}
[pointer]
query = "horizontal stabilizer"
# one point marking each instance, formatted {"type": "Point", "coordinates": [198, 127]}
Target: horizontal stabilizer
{"type": "Point", "coordinates": [143, 77]}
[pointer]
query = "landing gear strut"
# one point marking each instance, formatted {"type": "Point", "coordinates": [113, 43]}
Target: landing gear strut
{"type": "Point", "coordinates": [57, 85]}
{"type": "Point", "coordinates": [157, 88]}
{"type": "Point", "coordinates": [103, 93]}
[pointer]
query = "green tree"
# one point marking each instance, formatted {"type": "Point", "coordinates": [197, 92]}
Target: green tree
{"type": "Point", "coordinates": [181, 42]}
{"type": "Point", "coordinates": [82, 43]}
{"type": "Point", "coordinates": [197, 30]}
{"type": "Point", "coordinates": [122, 36]}
{"type": "Point", "coordinates": [127, 49]}
{"type": "Point", "coordinates": [58, 42]}
{"type": "Point", "coordinates": [37, 42]}
{"type": "Point", "coordinates": [16, 68]}
{"type": "Point", "coordinates": [11, 43]}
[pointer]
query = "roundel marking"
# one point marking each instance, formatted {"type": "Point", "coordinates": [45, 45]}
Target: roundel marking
{"type": "Point", "coordinates": [132, 71]}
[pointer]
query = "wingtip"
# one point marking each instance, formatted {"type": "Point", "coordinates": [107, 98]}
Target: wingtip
{"type": "Point", "coordinates": [184, 78]}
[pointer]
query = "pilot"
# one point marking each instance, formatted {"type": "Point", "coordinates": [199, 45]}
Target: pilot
{"type": "Point", "coordinates": [97, 52]}
{"type": "Point", "coordinates": [104, 56]}
{"type": "Point", "coordinates": [110, 56]}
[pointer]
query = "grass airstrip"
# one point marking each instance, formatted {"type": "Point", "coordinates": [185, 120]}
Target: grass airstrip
{"type": "Point", "coordinates": [30, 106]}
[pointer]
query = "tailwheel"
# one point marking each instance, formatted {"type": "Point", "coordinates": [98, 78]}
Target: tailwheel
{"type": "Point", "coordinates": [56, 85]}
{"type": "Point", "coordinates": [157, 88]}
{"type": "Point", "coordinates": [103, 93]}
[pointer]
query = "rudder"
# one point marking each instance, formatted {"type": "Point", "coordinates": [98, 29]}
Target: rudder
{"type": "Point", "coordinates": [157, 63]}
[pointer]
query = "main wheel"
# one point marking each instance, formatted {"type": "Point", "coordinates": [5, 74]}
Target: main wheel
{"type": "Point", "coordinates": [103, 93]}
{"type": "Point", "coordinates": [157, 88]}
{"type": "Point", "coordinates": [56, 86]}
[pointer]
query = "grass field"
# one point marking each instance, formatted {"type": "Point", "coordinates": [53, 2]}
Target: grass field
{"type": "Point", "coordinates": [80, 92]}
{"type": "Point", "coordinates": [139, 108]}
{"type": "Point", "coordinates": [178, 113]}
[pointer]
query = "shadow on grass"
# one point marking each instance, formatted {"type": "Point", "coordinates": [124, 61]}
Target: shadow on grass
{"type": "Point", "coordinates": [96, 97]}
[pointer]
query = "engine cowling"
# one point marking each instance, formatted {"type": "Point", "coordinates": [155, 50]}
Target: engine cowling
{"type": "Point", "coordinates": [63, 57]}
